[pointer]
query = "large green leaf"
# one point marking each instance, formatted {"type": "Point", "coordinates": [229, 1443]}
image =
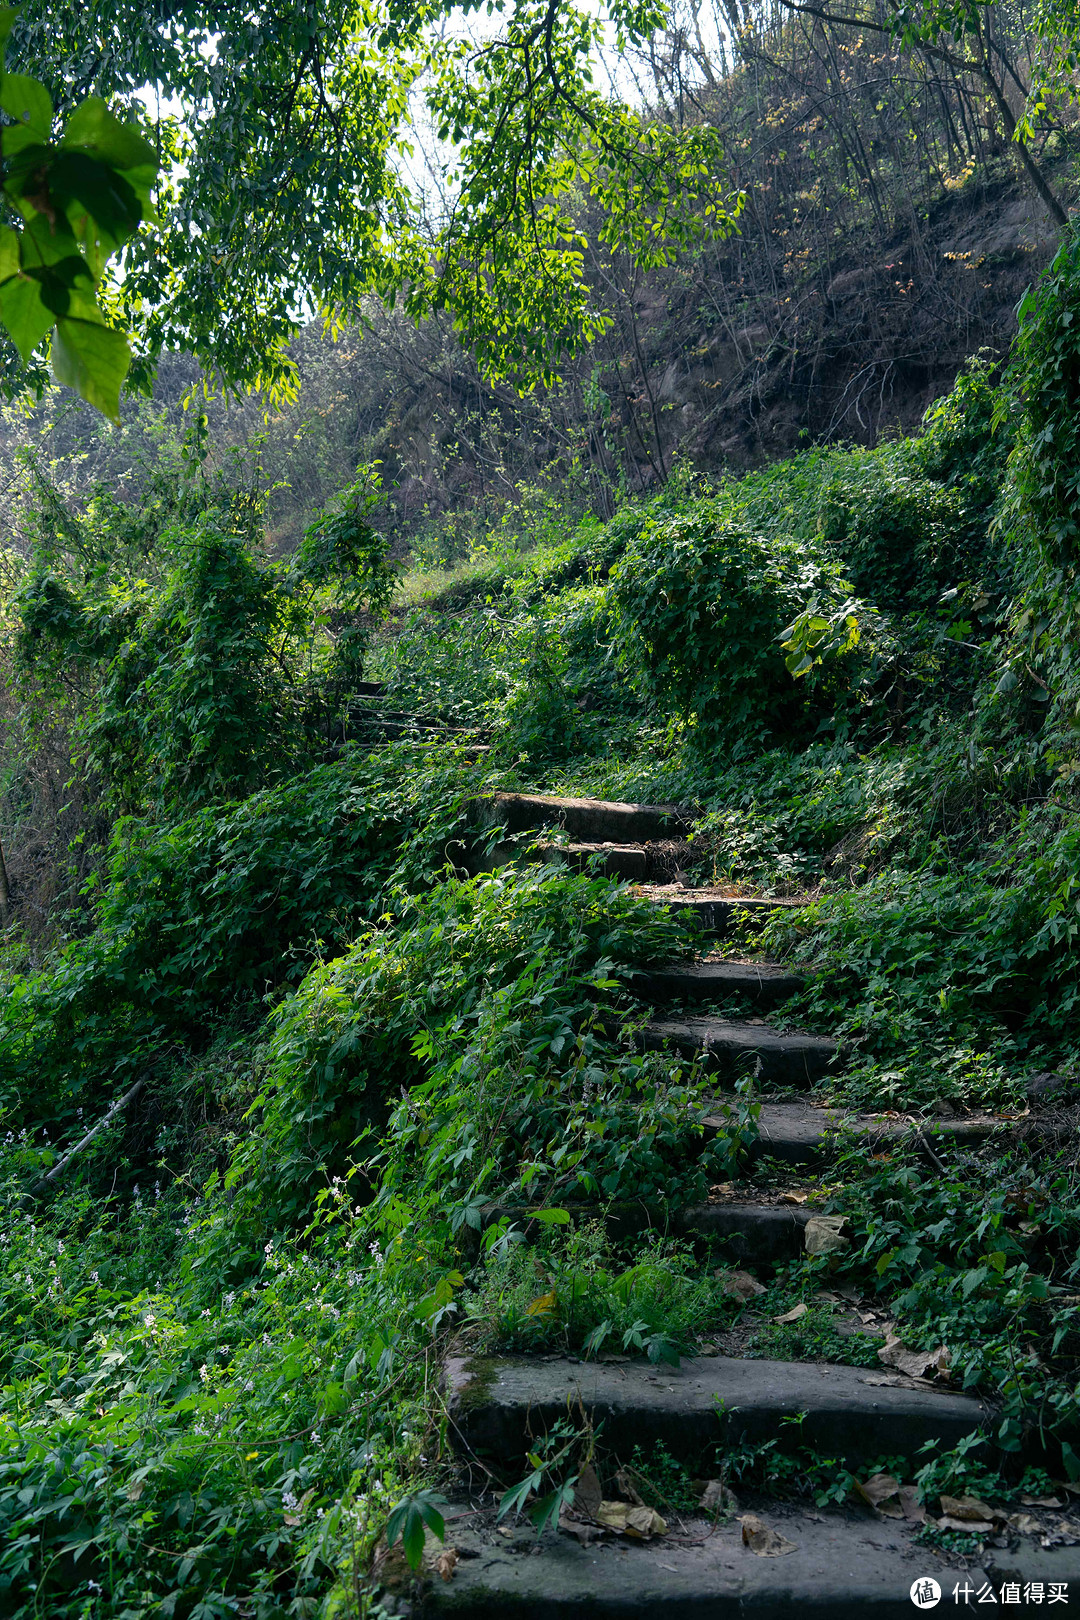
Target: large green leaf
{"type": "Point", "coordinates": [93, 129]}
{"type": "Point", "coordinates": [90, 357]}
{"type": "Point", "coordinates": [17, 138]}
{"type": "Point", "coordinates": [27, 102]}
{"type": "Point", "coordinates": [9, 252]}
{"type": "Point", "coordinates": [44, 244]}
{"type": "Point", "coordinates": [80, 185]}
{"type": "Point", "coordinates": [24, 314]}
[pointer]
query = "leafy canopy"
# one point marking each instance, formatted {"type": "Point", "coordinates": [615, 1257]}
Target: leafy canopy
{"type": "Point", "coordinates": [77, 199]}
{"type": "Point", "coordinates": [284, 181]}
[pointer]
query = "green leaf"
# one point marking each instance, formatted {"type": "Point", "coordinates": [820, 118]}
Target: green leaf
{"type": "Point", "coordinates": [18, 138]}
{"type": "Point", "coordinates": [515, 1498]}
{"type": "Point", "coordinates": [92, 359]}
{"type": "Point", "coordinates": [550, 1217]}
{"type": "Point", "coordinates": [79, 183]}
{"type": "Point", "coordinates": [24, 314]}
{"type": "Point", "coordinates": [28, 102]}
{"type": "Point", "coordinates": [547, 1510]}
{"type": "Point", "coordinates": [94, 130]}
{"type": "Point", "coordinates": [406, 1524]}
{"type": "Point", "coordinates": [9, 253]}
{"type": "Point", "coordinates": [596, 1338]}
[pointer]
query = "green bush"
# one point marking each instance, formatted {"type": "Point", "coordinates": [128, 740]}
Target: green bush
{"type": "Point", "coordinates": [219, 677]}
{"type": "Point", "coordinates": [900, 538]}
{"type": "Point", "coordinates": [702, 602]}
{"type": "Point", "coordinates": [484, 1005]}
{"type": "Point", "coordinates": [205, 916]}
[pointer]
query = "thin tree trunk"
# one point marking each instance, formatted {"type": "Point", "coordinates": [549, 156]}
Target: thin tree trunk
{"type": "Point", "coordinates": [5, 892]}
{"type": "Point", "coordinates": [117, 1107]}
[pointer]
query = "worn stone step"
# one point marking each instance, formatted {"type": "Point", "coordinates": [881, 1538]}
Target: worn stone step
{"type": "Point", "coordinates": [800, 1135]}
{"type": "Point", "coordinates": [630, 862]}
{"type": "Point", "coordinates": [627, 862]}
{"type": "Point", "coordinates": [590, 820]}
{"type": "Point", "coordinates": [845, 1566]}
{"type": "Point", "coordinates": [754, 1234]}
{"type": "Point", "coordinates": [778, 1059]}
{"type": "Point", "coordinates": [714, 912]}
{"type": "Point", "coordinates": [765, 982]}
{"type": "Point", "coordinates": [498, 1407]}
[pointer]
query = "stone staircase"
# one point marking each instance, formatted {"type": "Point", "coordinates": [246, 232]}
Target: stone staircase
{"type": "Point", "coordinates": [792, 1560]}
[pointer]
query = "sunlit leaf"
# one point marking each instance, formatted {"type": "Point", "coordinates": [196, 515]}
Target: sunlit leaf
{"type": "Point", "coordinates": [93, 359]}
{"type": "Point", "coordinates": [27, 102]}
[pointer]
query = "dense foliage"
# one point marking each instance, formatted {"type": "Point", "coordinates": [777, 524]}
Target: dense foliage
{"type": "Point", "coordinates": [368, 1077]}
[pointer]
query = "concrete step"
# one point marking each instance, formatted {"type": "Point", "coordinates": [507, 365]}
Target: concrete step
{"type": "Point", "coordinates": [714, 912]}
{"type": "Point", "coordinates": [767, 983]}
{"type": "Point", "coordinates": [845, 1566]}
{"type": "Point", "coordinates": [800, 1135]}
{"type": "Point", "coordinates": [752, 1234]}
{"type": "Point", "coordinates": [630, 862]}
{"type": "Point", "coordinates": [784, 1060]}
{"type": "Point", "coordinates": [498, 1407]}
{"type": "Point", "coordinates": [627, 862]}
{"type": "Point", "coordinates": [590, 820]}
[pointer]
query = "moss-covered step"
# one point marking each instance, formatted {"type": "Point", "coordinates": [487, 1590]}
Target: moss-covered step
{"type": "Point", "coordinates": [798, 1134]}
{"type": "Point", "coordinates": [590, 820]}
{"type": "Point", "coordinates": [791, 1059]}
{"type": "Point", "coordinates": [498, 1408]}
{"type": "Point", "coordinates": [842, 1565]}
{"type": "Point", "coordinates": [767, 983]}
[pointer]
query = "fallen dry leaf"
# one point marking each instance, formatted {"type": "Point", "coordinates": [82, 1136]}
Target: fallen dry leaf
{"type": "Point", "coordinates": [581, 1529]}
{"type": "Point", "coordinates": [1041, 1501]}
{"type": "Point", "coordinates": [916, 1363]}
{"type": "Point", "coordinates": [882, 1493]}
{"type": "Point", "coordinates": [794, 1197]}
{"type": "Point", "coordinates": [823, 1234]}
{"type": "Point", "coordinates": [446, 1563]}
{"type": "Point", "coordinates": [969, 1508]}
{"type": "Point", "coordinates": [640, 1523]}
{"type": "Point", "coordinates": [587, 1494]}
{"type": "Point", "coordinates": [718, 1498]}
{"type": "Point", "coordinates": [913, 1510]}
{"type": "Point", "coordinates": [1025, 1525]}
{"type": "Point", "coordinates": [796, 1312]}
{"type": "Point", "coordinates": [739, 1285]}
{"type": "Point", "coordinates": [766, 1543]}
{"type": "Point", "coordinates": [970, 1527]}
{"type": "Point", "coordinates": [627, 1488]}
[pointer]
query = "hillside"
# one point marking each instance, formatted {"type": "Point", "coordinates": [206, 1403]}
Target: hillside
{"type": "Point", "coordinates": [539, 939]}
{"type": "Point", "coordinates": [751, 1092]}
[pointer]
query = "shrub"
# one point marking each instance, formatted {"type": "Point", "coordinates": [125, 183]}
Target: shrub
{"type": "Point", "coordinates": [702, 602]}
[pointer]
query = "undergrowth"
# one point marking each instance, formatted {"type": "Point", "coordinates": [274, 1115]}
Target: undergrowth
{"type": "Point", "coordinates": [224, 1318]}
